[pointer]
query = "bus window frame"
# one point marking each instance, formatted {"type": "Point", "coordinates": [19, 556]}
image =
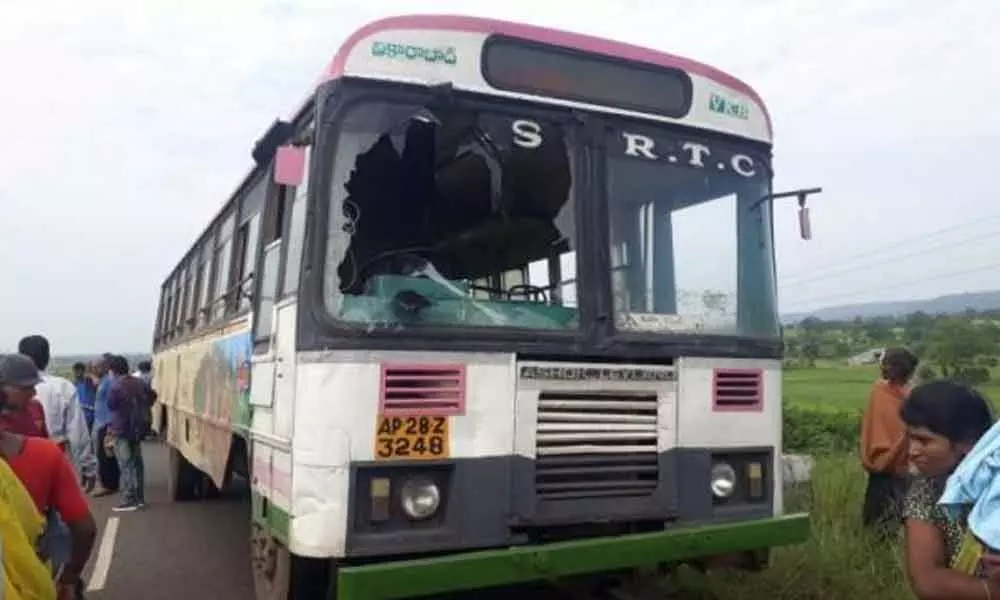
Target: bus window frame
{"type": "Point", "coordinates": [247, 203]}
{"type": "Point", "coordinates": [271, 238]}
{"type": "Point", "coordinates": [319, 330]}
{"type": "Point", "coordinates": [289, 285]}
{"type": "Point", "coordinates": [338, 97]}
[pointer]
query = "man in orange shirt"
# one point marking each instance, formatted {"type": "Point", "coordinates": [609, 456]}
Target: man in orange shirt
{"type": "Point", "coordinates": [47, 475]}
{"type": "Point", "coordinates": [884, 442]}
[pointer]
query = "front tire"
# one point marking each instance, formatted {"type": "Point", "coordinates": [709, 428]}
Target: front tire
{"type": "Point", "coordinates": [280, 575]}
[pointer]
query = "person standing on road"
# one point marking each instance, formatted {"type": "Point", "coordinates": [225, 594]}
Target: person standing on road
{"type": "Point", "coordinates": [145, 373]}
{"type": "Point", "coordinates": [884, 443]}
{"type": "Point", "coordinates": [128, 399]}
{"type": "Point", "coordinates": [47, 475]}
{"type": "Point", "coordinates": [63, 415]}
{"type": "Point", "coordinates": [86, 391]}
{"type": "Point", "coordinates": [107, 465]}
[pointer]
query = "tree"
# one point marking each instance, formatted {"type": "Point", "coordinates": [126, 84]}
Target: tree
{"type": "Point", "coordinates": [810, 349]}
{"type": "Point", "coordinates": [879, 331]}
{"type": "Point", "coordinates": [954, 343]}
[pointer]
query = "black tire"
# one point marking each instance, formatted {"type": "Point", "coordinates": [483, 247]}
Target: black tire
{"type": "Point", "coordinates": [280, 575]}
{"type": "Point", "coordinates": [183, 479]}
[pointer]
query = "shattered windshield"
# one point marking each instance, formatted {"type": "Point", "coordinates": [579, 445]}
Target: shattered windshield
{"type": "Point", "coordinates": [451, 217]}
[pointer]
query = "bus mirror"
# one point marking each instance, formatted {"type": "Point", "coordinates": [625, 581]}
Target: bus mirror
{"type": "Point", "coordinates": [289, 165]}
{"type": "Point", "coordinates": [805, 226]}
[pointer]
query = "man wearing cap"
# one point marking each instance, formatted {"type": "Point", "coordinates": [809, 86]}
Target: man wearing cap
{"type": "Point", "coordinates": [64, 418]}
{"type": "Point", "coordinates": [48, 477]}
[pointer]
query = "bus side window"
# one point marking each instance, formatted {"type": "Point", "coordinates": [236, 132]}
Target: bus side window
{"type": "Point", "coordinates": [270, 264]}
{"type": "Point", "coordinates": [247, 236]}
{"type": "Point", "coordinates": [295, 236]}
{"type": "Point", "coordinates": [223, 267]}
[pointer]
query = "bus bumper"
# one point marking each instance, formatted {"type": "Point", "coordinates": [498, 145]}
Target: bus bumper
{"type": "Point", "coordinates": [489, 568]}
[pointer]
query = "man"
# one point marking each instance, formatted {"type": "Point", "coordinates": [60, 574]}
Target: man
{"type": "Point", "coordinates": [48, 477]}
{"type": "Point", "coordinates": [86, 391]}
{"type": "Point", "coordinates": [107, 466]}
{"type": "Point", "coordinates": [884, 443]}
{"type": "Point", "coordinates": [129, 399]}
{"type": "Point", "coordinates": [63, 416]}
{"type": "Point", "coordinates": [145, 373]}
{"type": "Point", "coordinates": [23, 416]}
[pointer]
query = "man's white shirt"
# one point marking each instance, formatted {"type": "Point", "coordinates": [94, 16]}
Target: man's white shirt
{"type": "Point", "coordinates": [65, 421]}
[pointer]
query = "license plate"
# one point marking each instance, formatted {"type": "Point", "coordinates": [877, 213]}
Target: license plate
{"type": "Point", "coordinates": [412, 438]}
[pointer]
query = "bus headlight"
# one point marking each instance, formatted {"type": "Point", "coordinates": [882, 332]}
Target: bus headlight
{"type": "Point", "coordinates": [722, 480]}
{"type": "Point", "coordinates": [420, 498]}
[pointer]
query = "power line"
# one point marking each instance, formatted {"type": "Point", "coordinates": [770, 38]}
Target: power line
{"type": "Point", "coordinates": [900, 284]}
{"type": "Point", "coordinates": [867, 254]}
{"type": "Point", "coordinates": [871, 265]}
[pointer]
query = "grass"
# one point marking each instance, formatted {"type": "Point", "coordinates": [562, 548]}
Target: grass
{"type": "Point", "coordinates": [845, 388]}
{"type": "Point", "coordinates": [838, 387]}
{"type": "Point", "coordinates": [839, 561]}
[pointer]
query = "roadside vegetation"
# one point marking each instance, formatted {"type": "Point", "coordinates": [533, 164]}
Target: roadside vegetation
{"type": "Point", "coordinates": [826, 383]}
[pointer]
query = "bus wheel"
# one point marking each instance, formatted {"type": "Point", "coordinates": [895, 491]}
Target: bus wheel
{"type": "Point", "coordinates": [279, 575]}
{"type": "Point", "coordinates": [272, 566]}
{"type": "Point", "coordinates": [182, 477]}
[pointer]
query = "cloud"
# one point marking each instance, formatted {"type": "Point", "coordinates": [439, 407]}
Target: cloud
{"type": "Point", "coordinates": [126, 126]}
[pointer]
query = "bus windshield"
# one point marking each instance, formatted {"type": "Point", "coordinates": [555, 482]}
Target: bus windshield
{"type": "Point", "coordinates": [690, 232]}
{"type": "Point", "coordinates": [451, 217]}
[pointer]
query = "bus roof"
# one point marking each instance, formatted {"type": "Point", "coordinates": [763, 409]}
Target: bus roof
{"type": "Point", "coordinates": [353, 58]}
{"type": "Point", "coordinates": [445, 28]}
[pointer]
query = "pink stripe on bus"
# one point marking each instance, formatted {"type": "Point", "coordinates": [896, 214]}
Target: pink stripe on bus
{"type": "Point", "coordinates": [540, 34]}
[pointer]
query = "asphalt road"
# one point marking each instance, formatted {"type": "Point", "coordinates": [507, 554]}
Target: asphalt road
{"type": "Point", "coordinates": [198, 550]}
{"type": "Point", "coordinates": [171, 551]}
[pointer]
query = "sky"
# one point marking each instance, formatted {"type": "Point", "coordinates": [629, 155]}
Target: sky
{"type": "Point", "coordinates": [125, 126]}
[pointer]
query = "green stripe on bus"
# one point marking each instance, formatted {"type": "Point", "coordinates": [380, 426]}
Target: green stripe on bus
{"type": "Point", "coordinates": [277, 520]}
{"type": "Point", "coordinates": [476, 570]}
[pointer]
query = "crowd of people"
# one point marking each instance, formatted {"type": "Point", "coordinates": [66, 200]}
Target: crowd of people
{"type": "Point", "coordinates": [59, 441]}
{"type": "Point", "coordinates": [932, 454]}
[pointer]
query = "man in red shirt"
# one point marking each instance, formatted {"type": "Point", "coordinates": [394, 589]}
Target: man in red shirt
{"type": "Point", "coordinates": [46, 474]}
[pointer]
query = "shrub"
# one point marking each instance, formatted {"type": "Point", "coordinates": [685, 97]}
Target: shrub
{"type": "Point", "coordinates": [974, 375]}
{"type": "Point", "coordinates": [820, 431]}
{"type": "Point", "coordinates": [926, 373]}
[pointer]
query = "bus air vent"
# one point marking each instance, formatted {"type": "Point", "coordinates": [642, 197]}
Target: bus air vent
{"type": "Point", "coordinates": [738, 390]}
{"type": "Point", "coordinates": [596, 445]}
{"type": "Point", "coordinates": [437, 390]}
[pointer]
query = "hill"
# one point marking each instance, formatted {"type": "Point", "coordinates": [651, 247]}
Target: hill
{"type": "Point", "coordinates": [950, 304]}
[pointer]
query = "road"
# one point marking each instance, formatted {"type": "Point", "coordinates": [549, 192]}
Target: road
{"type": "Point", "coordinates": [196, 550]}
{"type": "Point", "coordinates": [171, 551]}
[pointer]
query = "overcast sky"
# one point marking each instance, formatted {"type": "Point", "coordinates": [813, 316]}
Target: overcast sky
{"type": "Point", "coordinates": [125, 125]}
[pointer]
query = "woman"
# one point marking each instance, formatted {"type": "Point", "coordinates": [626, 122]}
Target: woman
{"type": "Point", "coordinates": [944, 419]}
{"type": "Point", "coordinates": [25, 577]}
{"type": "Point", "coordinates": [883, 444]}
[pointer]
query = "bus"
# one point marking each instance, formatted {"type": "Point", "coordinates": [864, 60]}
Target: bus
{"type": "Point", "coordinates": [496, 304]}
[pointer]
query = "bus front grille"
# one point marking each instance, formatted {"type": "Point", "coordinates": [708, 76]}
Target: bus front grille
{"type": "Point", "coordinates": [596, 445]}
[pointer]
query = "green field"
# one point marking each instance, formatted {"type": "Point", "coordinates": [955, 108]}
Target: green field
{"type": "Point", "coordinates": [843, 387]}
